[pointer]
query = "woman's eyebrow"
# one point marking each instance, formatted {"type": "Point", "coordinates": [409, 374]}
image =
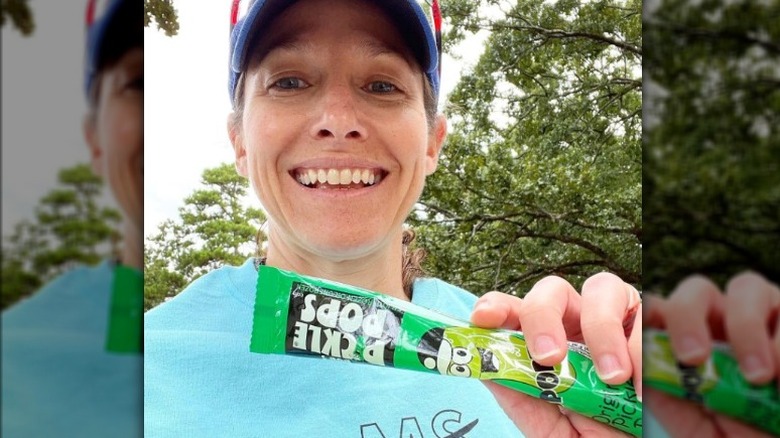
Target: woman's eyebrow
{"type": "Point", "coordinates": [375, 48]}
{"type": "Point", "coordinates": [288, 45]}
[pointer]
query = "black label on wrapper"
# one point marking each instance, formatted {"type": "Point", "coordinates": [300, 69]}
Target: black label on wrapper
{"type": "Point", "coordinates": [330, 323]}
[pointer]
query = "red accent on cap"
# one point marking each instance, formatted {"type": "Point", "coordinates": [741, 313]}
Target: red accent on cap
{"type": "Point", "coordinates": [436, 15]}
{"type": "Point", "coordinates": [234, 13]}
{"type": "Point", "coordinates": [90, 13]}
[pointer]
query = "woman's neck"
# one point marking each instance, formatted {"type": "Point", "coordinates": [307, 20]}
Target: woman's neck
{"type": "Point", "coordinates": [132, 253]}
{"type": "Point", "coordinates": [379, 271]}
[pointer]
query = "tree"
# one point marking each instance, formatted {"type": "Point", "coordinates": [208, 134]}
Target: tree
{"type": "Point", "coordinates": [213, 229]}
{"type": "Point", "coordinates": [161, 12]}
{"type": "Point", "coordinates": [70, 229]}
{"type": "Point", "coordinates": [541, 173]}
{"type": "Point", "coordinates": [19, 13]}
{"type": "Point", "coordinates": [712, 142]}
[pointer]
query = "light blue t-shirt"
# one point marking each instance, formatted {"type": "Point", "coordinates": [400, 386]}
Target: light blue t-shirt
{"type": "Point", "coordinates": [201, 380]}
{"type": "Point", "coordinates": [57, 377]}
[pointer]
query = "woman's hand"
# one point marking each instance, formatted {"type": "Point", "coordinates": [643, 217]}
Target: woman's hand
{"type": "Point", "coordinates": [607, 317]}
{"type": "Point", "coordinates": [695, 314]}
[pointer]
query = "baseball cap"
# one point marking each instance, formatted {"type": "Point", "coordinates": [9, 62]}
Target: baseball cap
{"type": "Point", "coordinates": [113, 27]}
{"type": "Point", "coordinates": [253, 16]}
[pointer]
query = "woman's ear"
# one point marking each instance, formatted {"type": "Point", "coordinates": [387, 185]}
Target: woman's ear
{"type": "Point", "coordinates": [89, 129]}
{"type": "Point", "coordinates": [237, 140]}
{"type": "Point", "coordinates": [435, 143]}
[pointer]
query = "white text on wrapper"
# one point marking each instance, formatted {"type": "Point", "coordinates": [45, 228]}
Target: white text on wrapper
{"type": "Point", "coordinates": [331, 327]}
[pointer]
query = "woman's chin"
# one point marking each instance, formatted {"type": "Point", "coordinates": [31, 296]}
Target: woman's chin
{"type": "Point", "coordinates": [338, 248]}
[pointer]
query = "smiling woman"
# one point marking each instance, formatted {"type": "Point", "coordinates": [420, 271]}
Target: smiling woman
{"type": "Point", "coordinates": [335, 101]}
{"type": "Point", "coordinates": [334, 123]}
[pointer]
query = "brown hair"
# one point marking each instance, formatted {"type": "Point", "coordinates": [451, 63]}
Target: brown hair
{"type": "Point", "coordinates": [411, 263]}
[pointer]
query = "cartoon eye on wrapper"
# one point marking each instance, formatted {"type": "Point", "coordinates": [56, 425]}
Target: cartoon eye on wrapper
{"type": "Point", "coordinates": [459, 370]}
{"type": "Point", "coordinates": [461, 356]}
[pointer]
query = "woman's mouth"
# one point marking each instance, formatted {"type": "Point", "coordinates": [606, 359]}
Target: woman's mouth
{"type": "Point", "coordinates": [331, 178]}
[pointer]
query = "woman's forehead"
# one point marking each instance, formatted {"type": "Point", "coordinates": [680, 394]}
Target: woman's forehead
{"type": "Point", "coordinates": [297, 28]}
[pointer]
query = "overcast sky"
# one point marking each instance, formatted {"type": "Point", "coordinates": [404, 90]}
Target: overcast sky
{"type": "Point", "coordinates": [43, 105]}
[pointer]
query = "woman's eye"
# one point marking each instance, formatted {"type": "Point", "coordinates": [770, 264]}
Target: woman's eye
{"type": "Point", "coordinates": [290, 84]}
{"type": "Point", "coordinates": [381, 87]}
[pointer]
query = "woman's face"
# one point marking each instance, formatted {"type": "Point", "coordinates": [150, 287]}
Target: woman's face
{"type": "Point", "coordinates": [115, 133]}
{"type": "Point", "coordinates": [334, 137]}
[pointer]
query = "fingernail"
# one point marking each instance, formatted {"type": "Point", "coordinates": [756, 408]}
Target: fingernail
{"type": "Point", "coordinates": [690, 349]}
{"type": "Point", "coordinates": [609, 366]}
{"type": "Point", "coordinates": [481, 305]}
{"type": "Point", "coordinates": [754, 368]}
{"type": "Point", "coordinates": [544, 347]}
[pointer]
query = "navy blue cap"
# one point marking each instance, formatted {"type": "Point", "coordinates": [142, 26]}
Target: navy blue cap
{"type": "Point", "coordinates": [112, 26]}
{"type": "Point", "coordinates": [406, 14]}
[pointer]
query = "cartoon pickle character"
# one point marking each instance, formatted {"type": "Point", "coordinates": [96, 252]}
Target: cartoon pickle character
{"type": "Point", "coordinates": [491, 355]}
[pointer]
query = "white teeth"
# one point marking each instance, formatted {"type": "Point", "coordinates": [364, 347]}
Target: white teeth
{"type": "Point", "coordinates": [345, 177]}
{"type": "Point", "coordinates": [335, 177]}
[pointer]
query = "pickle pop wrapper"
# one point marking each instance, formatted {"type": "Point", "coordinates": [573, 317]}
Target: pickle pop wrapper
{"type": "Point", "coordinates": [717, 383]}
{"type": "Point", "coordinates": [301, 315]}
{"type": "Point", "coordinates": [125, 319]}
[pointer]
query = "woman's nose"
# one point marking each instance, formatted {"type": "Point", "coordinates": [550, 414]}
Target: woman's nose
{"type": "Point", "coordinates": [339, 117]}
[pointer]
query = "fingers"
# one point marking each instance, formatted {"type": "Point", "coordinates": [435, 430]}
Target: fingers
{"type": "Point", "coordinates": [635, 353]}
{"type": "Point", "coordinates": [587, 427]}
{"type": "Point", "coordinates": [693, 308]}
{"type": "Point", "coordinates": [497, 310]}
{"type": "Point", "coordinates": [532, 416]}
{"type": "Point", "coordinates": [680, 418]}
{"type": "Point", "coordinates": [550, 309]}
{"type": "Point", "coordinates": [683, 419]}
{"type": "Point", "coordinates": [751, 302]}
{"type": "Point", "coordinates": [538, 418]}
{"type": "Point", "coordinates": [776, 345]}
{"type": "Point", "coordinates": [653, 315]}
{"type": "Point", "coordinates": [605, 299]}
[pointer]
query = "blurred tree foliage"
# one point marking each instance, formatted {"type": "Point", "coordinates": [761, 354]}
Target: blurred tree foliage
{"type": "Point", "coordinates": [18, 11]}
{"type": "Point", "coordinates": [712, 141]}
{"type": "Point", "coordinates": [214, 228]}
{"type": "Point", "coordinates": [541, 172]}
{"type": "Point", "coordinates": [69, 229]}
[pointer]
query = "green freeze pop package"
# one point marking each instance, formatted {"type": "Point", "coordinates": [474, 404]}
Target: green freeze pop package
{"type": "Point", "coordinates": [125, 320]}
{"type": "Point", "coordinates": [717, 383]}
{"type": "Point", "coordinates": [301, 315]}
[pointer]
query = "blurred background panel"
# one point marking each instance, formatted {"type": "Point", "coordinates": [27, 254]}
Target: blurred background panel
{"type": "Point", "coordinates": [72, 165]}
{"type": "Point", "coordinates": [711, 152]}
{"type": "Point", "coordinates": [711, 194]}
